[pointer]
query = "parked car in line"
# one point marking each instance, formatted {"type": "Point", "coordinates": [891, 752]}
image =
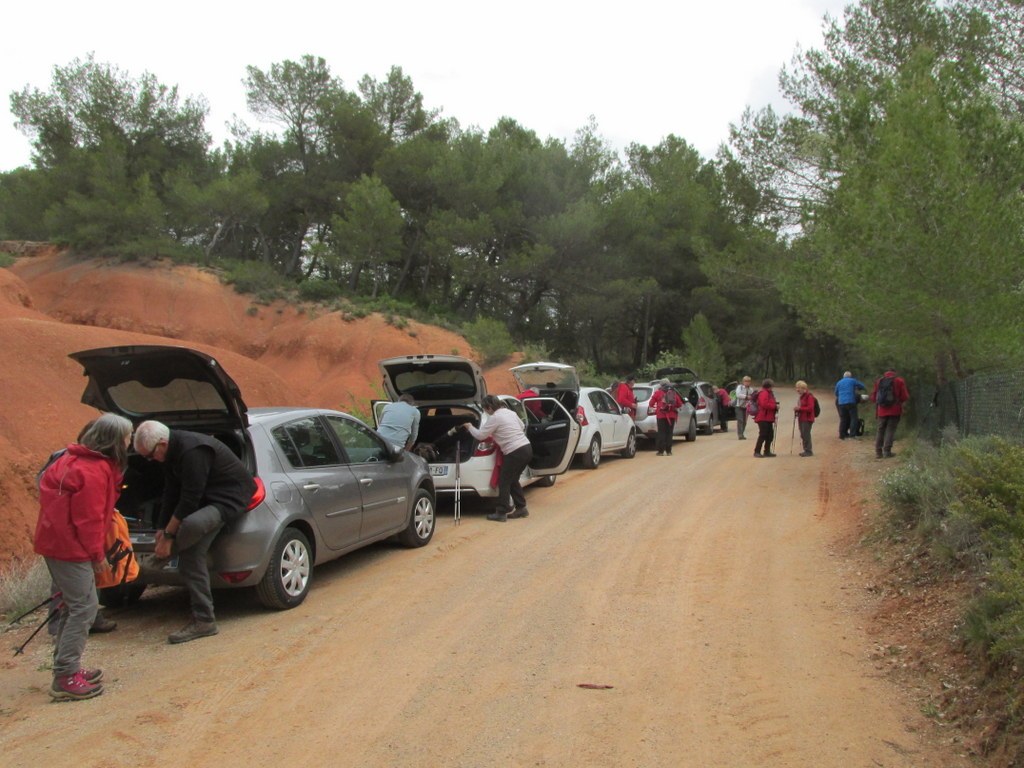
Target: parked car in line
{"type": "Point", "coordinates": [701, 394]}
{"type": "Point", "coordinates": [606, 428]}
{"type": "Point", "coordinates": [646, 420]}
{"type": "Point", "coordinates": [448, 390]}
{"type": "Point", "coordinates": [327, 484]}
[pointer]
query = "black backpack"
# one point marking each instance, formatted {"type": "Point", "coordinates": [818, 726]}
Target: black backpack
{"type": "Point", "coordinates": [817, 407]}
{"type": "Point", "coordinates": [886, 394]}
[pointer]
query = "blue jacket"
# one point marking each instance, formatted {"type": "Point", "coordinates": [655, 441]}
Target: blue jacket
{"type": "Point", "coordinates": [846, 390]}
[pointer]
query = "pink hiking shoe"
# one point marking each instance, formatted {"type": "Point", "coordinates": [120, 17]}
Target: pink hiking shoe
{"type": "Point", "coordinates": [74, 687]}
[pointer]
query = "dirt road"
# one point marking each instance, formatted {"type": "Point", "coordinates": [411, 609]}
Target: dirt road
{"type": "Point", "coordinates": [712, 592]}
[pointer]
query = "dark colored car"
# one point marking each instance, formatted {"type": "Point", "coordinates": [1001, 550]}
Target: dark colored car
{"type": "Point", "coordinates": [327, 483]}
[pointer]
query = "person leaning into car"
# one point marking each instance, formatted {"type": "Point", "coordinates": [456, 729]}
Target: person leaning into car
{"type": "Point", "coordinates": [400, 422]}
{"type": "Point", "coordinates": [507, 431]}
{"type": "Point", "coordinates": [205, 486]}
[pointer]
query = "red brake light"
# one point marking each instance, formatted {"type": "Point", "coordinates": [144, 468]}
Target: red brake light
{"type": "Point", "coordinates": [484, 448]}
{"type": "Point", "coordinates": [581, 416]}
{"type": "Point", "coordinates": [257, 496]}
{"type": "Point", "coordinates": [234, 577]}
{"type": "Point", "coordinates": [702, 403]}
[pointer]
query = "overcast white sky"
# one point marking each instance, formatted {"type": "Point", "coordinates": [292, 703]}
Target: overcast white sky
{"type": "Point", "coordinates": [643, 69]}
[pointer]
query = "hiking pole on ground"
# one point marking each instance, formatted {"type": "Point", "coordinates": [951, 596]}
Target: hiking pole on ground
{"type": "Point", "coordinates": [792, 435]}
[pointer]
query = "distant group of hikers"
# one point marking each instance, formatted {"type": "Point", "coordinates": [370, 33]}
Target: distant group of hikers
{"type": "Point", "coordinates": [759, 404]}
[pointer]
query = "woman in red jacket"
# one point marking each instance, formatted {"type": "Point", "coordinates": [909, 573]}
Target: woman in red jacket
{"type": "Point", "coordinates": [77, 493]}
{"type": "Point", "coordinates": [767, 408]}
{"type": "Point", "coordinates": [804, 414]}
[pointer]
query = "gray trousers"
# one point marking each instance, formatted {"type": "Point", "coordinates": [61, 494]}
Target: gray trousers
{"type": "Point", "coordinates": [194, 537]}
{"type": "Point", "coordinates": [805, 434]}
{"type": "Point", "coordinates": [886, 434]}
{"type": "Point", "coordinates": [77, 585]}
{"type": "Point", "coordinates": [741, 421]}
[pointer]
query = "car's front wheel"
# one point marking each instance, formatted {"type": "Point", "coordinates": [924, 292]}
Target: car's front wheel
{"type": "Point", "coordinates": [691, 432]}
{"type": "Point", "coordinates": [593, 455]}
{"type": "Point", "coordinates": [421, 523]}
{"type": "Point", "coordinates": [630, 450]}
{"type": "Point", "coordinates": [547, 481]}
{"type": "Point", "coordinates": [287, 580]}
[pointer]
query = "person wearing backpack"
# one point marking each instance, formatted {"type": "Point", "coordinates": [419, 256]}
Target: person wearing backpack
{"type": "Point", "coordinates": [77, 493]}
{"type": "Point", "coordinates": [666, 403]}
{"type": "Point", "coordinates": [743, 394]}
{"type": "Point", "coordinates": [889, 395]}
{"type": "Point", "coordinates": [805, 411]}
{"type": "Point", "coordinates": [767, 407]}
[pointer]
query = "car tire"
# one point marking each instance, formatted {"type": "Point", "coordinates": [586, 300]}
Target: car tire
{"type": "Point", "coordinates": [290, 573]}
{"type": "Point", "coordinates": [629, 451]}
{"type": "Point", "coordinates": [422, 523]}
{"type": "Point", "coordinates": [121, 595]}
{"type": "Point", "coordinates": [593, 455]}
{"type": "Point", "coordinates": [547, 481]}
{"type": "Point", "coordinates": [691, 433]}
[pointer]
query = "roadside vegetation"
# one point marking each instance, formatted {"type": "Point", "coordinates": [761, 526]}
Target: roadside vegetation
{"type": "Point", "coordinates": [962, 503]}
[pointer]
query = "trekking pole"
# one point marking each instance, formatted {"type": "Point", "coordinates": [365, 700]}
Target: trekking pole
{"type": "Point", "coordinates": [49, 617]}
{"type": "Point", "coordinates": [50, 599]}
{"type": "Point", "coordinates": [458, 483]}
{"type": "Point", "coordinates": [792, 435]}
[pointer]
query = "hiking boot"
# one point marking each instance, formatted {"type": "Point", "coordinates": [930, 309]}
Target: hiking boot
{"type": "Point", "coordinates": [193, 631]}
{"type": "Point", "coordinates": [102, 624]}
{"type": "Point", "coordinates": [74, 688]}
{"type": "Point", "coordinates": [660, 453]}
{"type": "Point", "coordinates": [498, 517]}
{"type": "Point", "coordinates": [770, 455]}
{"type": "Point", "coordinates": [806, 453]}
{"type": "Point", "coordinates": [758, 456]}
{"type": "Point", "coordinates": [92, 676]}
{"type": "Point", "coordinates": [519, 512]}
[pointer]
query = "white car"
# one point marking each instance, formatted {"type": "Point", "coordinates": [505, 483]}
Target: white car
{"type": "Point", "coordinates": [606, 428]}
{"type": "Point", "coordinates": [448, 391]}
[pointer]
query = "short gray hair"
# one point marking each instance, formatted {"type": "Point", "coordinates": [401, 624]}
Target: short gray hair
{"type": "Point", "coordinates": [847, 375]}
{"type": "Point", "coordinates": [148, 434]}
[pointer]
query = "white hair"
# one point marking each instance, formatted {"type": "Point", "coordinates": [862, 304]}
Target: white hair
{"type": "Point", "coordinates": [148, 434]}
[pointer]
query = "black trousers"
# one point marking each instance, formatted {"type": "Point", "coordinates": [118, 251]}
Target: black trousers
{"type": "Point", "coordinates": [765, 435]}
{"type": "Point", "coordinates": [512, 466]}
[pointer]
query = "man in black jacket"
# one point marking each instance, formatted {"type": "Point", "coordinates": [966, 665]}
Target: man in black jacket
{"type": "Point", "coordinates": [205, 486]}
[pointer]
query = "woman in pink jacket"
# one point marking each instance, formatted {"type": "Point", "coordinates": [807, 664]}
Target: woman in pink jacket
{"type": "Point", "coordinates": [767, 408]}
{"type": "Point", "coordinates": [77, 494]}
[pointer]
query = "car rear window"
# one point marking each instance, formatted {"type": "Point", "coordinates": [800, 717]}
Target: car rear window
{"type": "Point", "coordinates": [642, 393]}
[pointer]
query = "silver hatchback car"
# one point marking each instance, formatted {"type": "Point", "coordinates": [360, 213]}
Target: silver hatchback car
{"type": "Point", "coordinates": [647, 423]}
{"type": "Point", "coordinates": [327, 484]}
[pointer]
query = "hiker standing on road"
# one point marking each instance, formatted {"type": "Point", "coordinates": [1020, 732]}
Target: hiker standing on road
{"type": "Point", "coordinates": [804, 413]}
{"type": "Point", "coordinates": [400, 422]}
{"type": "Point", "coordinates": [77, 494]}
{"type": "Point", "coordinates": [743, 393]}
{"type": "Point", "coordinates": [205, 486]}
{"type": "Point", "coordinates": [666, 402]}
{"type": "Point", "coordinates": [889, 395]}
{"type": "Point", "coordinates": [848, 391]}
{"type": "Point", "coordinates": [506, 429]}
{"type": "Point", "coordinates": [767, 408]}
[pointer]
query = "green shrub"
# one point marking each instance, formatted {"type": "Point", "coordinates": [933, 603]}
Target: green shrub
{"type": "Point", "coordinates": [6, 260]}
{"type": "Point", "coordinates": [255, 277]}
{"type": "Point", "coordinates": [320, 290]}
{"type": "Point", "coordinates": [491, 339]}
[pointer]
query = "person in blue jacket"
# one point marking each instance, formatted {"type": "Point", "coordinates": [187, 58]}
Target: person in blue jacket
{"type": "Point", "coordinates": [848, 391]}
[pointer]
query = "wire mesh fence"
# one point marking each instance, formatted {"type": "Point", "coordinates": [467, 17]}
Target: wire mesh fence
{"type": "Point", "coordinates": [984, 404]}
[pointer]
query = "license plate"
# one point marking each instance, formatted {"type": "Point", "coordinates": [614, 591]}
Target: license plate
{"type": "Point", "coordinates": [439, 470]}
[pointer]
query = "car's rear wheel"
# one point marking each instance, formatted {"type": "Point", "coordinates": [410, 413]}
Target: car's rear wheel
{"type": "Point", "coordinates": [421, 524]}
{"type": "Point", "coordinates": [691, 432]}
{"type": "Point", "coordinates": [287, 580]}
{"type": "Point", "coordinates": [593, 455]}
{"type": "Point", "coordinates": [122, 594]}
{"type": "Point", "coordinates": [630, 450]}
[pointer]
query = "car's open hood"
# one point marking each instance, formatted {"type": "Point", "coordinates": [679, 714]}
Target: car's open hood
{"type": "Point", "coordinates": [433, 379]}
{"type": "Point", "coordinates": [546, 378]}
{"type": "Point", "coordinates": [181, 387]}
